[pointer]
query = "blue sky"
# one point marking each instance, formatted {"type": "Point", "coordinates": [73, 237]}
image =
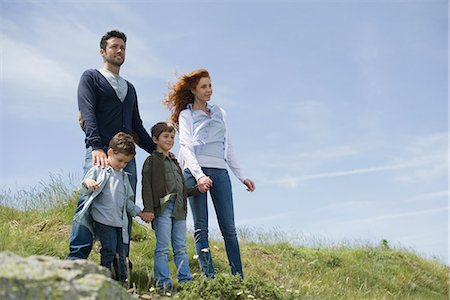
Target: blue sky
{"type": "Point", "coordinates": [338, 109]}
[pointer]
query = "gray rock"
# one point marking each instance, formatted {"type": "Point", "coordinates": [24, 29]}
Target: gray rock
{"type": "Point", "coordinates": [44, 277]}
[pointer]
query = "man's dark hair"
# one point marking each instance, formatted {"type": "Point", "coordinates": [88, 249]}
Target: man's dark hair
{"type": "Point", "coordinates": [123, 143]}
{"type": "Point", "coordinates": [110, 34]}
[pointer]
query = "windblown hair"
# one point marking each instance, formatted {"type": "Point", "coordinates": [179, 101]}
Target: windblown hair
{"type": "Point", "coordinates": [123, 143]}
{"type": "Point", "coordinates": [110, 34]}
{"type": "Point", "coordinates": [180, 94]}
{"type": "Point", "coordinates": [161, 127]}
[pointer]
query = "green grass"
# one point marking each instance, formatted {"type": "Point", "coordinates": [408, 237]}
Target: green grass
{"type": "Point", "coordinates": [274, 269]}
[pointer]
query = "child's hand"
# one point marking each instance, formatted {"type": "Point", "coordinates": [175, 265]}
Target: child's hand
{"type": "Point", "coordinates": [91, 184]}
{"type": "Point", "coordinates": [204, 183]}
{"type": "Point", "coordinates": [146, 216]}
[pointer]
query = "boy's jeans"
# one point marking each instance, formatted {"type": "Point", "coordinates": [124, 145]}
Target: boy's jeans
{"type": "Point", "coordinates": [112, 251]}
{"type": "Point", "coordinates": [223, 204]}
{"type": "Point", "coordinates": [167, 229]}
{"type": "Point", "coordinates": [81, 239]}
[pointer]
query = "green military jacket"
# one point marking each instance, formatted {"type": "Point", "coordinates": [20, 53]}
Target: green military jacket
{"type": "Point", "coordinates": [155, 188]}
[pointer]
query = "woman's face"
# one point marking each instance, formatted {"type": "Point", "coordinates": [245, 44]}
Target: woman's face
{"type": "Point", "coordinates": [203, 90]}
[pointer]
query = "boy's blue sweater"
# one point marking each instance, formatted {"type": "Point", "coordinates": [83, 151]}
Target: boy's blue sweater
{"type": "Point", "coordinates": [104, 114]}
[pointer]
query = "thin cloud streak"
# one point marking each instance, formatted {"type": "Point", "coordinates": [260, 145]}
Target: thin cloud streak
{"type": "Point", "coordinates": [428, 157]}
{"type": "Point", "coordinates": [429, 196]}
{"type": "Point", "coordinates": [295, 181]}
{"type": "Point", "coordinates": [340, 152]}
{"type": "Point", "coordinates": [397, 216]}
{"type": "Point", "coordinates": [349, 205]}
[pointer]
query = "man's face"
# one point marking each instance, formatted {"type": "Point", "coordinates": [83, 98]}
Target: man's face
{"type": "Point", "coordinates": [115, 52]}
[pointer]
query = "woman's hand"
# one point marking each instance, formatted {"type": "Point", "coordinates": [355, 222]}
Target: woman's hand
{"type": "Point", "coordinates": [204, 184]}
{"type": "Point", "coordinates": [250, 185]}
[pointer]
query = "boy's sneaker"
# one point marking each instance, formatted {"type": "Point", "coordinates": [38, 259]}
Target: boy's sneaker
{"type": "Point", "coordinates": [166, 290]}
{"type": "Point", "coordinates": [125, 284]}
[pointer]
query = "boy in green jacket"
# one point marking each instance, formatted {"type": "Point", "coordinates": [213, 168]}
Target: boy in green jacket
{"type": "Point", "coordinates": [164, 197]}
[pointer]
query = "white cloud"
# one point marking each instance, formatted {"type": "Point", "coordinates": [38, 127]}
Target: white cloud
{"type": "Point", "coordinates": [37, 71]}
{"type": "Point", "coordinates": [429, 196]}
{"type": "Point", "coordinates": [295, 181]}
{"type": "Point", "coordinates": [433, 151]}
{"type": "Point", "coordinates": [143, 62]}
{"type": "Point", "coordinates": [311, 117]}
{"type": "Point", "coordinates": [349, 205]}
{"type": "Point", "coordinates": [42, 71]}
{"type": "Point", "coordinates": [426, 159]}
{"type": "Point", "coordinates": [41, 88]}
{"type": "Point", "coordinates": [301, 160]}
{"type": "Point", "coordinates": [399, 215]}
{"type": "Point", "coordinates": [25, 68]}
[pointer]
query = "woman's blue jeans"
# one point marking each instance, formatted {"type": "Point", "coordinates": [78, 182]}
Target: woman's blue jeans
{"type": "Point", "coordinates": [81, 239]}
{"type": "Point", "coordinates": [223, 204]}
{"type": "Point", "coordinates": [168, 229]}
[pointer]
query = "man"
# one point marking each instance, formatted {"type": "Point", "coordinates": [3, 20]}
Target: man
{"type": "Point", "coordinates": [107, 105]}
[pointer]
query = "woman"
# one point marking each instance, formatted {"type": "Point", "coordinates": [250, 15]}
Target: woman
{"type": "Point", "coordinates": [205, 153]}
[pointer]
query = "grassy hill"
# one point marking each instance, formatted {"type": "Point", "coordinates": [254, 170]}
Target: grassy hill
{"type": "Point", "coordinates": [273, 271]}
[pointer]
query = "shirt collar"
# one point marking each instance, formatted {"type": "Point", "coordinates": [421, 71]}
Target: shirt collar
{"type": "Point", "coordinates": [110, 169]}
{"type": "Point", "coordinates": [105, 71]}
{"type": "Point", "coordinates": [208, 106]}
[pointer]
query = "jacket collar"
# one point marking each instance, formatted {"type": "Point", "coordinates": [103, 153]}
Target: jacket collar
{"type": "Point", "coordinates": [162, 156]}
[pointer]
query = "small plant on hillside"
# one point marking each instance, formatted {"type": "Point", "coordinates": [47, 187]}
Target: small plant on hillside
{"type": "Point", "coordinates": [229, 287]}
{"type": "Point", "coordinates": [384, 244]}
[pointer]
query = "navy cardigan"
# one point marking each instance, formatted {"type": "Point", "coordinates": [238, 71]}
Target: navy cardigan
{"type": "Point", "coordinates": [104, 115]}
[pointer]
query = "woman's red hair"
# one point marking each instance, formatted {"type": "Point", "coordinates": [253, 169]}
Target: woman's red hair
{"type": "Point", "coordinates": [180, 94]}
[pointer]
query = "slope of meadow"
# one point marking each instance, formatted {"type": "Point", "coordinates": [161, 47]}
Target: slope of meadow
{"type": "Point", "coordinates": [273, 270]}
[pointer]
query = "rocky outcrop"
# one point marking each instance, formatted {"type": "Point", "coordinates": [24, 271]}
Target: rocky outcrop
{"type": "Point", "coordinates": [44, 277]}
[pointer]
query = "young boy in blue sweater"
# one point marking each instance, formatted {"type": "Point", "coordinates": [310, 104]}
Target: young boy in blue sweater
{"type": "Point", "coordinates": [109, 200]}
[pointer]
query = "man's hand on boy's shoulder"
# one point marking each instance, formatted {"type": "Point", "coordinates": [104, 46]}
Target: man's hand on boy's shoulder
{"type": "Point", "coordinates": [91, 184]}
{"type": "Point", "coordinates": [99, 158]}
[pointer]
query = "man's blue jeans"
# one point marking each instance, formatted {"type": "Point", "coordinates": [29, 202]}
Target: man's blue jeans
{"type": "Point", "coordinates": [223, 204]}
{"type": "Point", "coordinates": [81, 239]}
{"type": "Point", "coordinates": [112, 254]}
{"type": "Point", "coordinates": [169, 229]}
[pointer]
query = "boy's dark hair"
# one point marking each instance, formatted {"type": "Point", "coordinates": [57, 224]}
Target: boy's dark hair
{"type": "Point", "coordinates": [110, 34]}
{"type": "Point", "coordinates": [123, 143]}
{"type": "Point", "coordinates": [161, 127]}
